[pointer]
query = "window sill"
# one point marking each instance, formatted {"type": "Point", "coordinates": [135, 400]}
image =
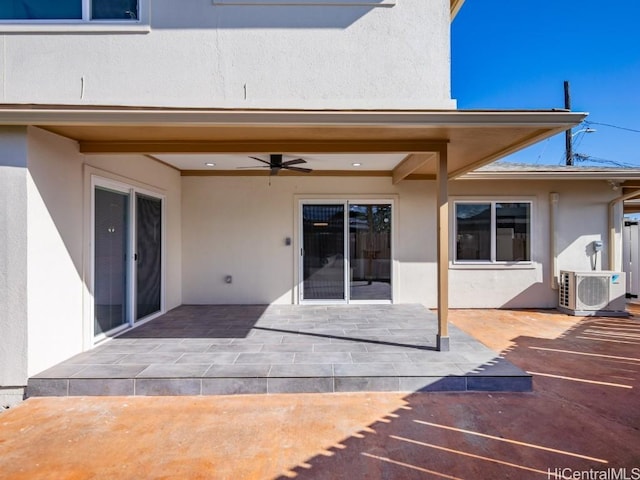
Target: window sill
{"type": "Point", "coordinates": [493, 266]}
{"type": "Point", "coordinates": [299, 3]}
{"type": "Point", "coordinates": [73, 28]}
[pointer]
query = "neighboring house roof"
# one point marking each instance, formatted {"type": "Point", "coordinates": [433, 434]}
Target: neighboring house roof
{"type": "Point", "coordinates": [507, 170]}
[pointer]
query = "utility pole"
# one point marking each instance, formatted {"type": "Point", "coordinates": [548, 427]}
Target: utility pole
{"type": "Point", "coordinates": [568, 137]}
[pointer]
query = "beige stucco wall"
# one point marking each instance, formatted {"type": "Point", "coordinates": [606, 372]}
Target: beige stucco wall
{"type": "Point", "coordinates": [237, 226]}
{"type": "Point", "coordinates": [58, 260]}
{"type": "Point", "coordinates": [199, 54]}
{"type": "Point", "coordinates": [13, 263]}
{"type": "Point", "coordinates": [582, 218]}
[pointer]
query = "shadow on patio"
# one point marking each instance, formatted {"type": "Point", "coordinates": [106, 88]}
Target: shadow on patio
{"type": "Point", "coordinates": [206, 350]}
{"type": "Point", "coordinates": [582, 415]}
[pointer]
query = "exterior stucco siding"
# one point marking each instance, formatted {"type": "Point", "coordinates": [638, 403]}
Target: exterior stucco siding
{"type": "Point", "coordinates": [198, 54]}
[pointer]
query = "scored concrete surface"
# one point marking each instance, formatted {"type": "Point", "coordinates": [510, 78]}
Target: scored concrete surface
{"type": "Point", "coordinates": [231, 349]}
{"type": "Point", "coordinates": [582, 416]}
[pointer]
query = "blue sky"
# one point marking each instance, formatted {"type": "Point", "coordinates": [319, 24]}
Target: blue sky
{"type": "Point", "coordinates": [516, 54]}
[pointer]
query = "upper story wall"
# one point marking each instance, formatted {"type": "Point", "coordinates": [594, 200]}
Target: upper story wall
{"type": "Point", "coordinates": [199, 54]}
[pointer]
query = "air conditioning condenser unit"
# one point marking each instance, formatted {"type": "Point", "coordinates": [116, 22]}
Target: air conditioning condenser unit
{"type": "Point", "coordinates": [593, 293]}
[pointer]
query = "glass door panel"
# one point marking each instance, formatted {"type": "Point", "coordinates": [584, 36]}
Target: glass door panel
{"type": "Point", "coordinates": [111, 252]}
{"type": "Point", "coordinates": [323, 250]}
{"type": "Point", "coordinates": [370, 251]}
{"type": "Point", "coordinates": [148, 255]}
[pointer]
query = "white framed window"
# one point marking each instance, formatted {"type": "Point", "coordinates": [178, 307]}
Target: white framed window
{"type": "Point", "coordinates": [73, 15]}
{"type": "Point", "coordinates": [69, 10]}
{"type": "Point", "coordinates": [492, 231]}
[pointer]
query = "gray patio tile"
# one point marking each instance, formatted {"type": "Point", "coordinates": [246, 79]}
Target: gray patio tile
{"type": "Point", "coordinates": [492, 369]}
{"type": "Point", "coordinates": [183, 347]}
{"type": "Point", "coordinates": [322, 357]}
{"type": "Point", "coordinates": [265, 358]}
{"type": "Point", "coordinates": [209, 358]}
{"type": "Point", "coordinates": [233, 386]}
{"type": "Point", "coordinates": [274, 340]}
{"type": "Point", "coordinates": [376, 332]}
{"type": "Point", "coordinates": [168, 386]}
{"type": "Point", "coordinates": [47, 387]}
{"type": "Point", "coordinates": [300, 385]}
{"type": "Point", "coordinates": [366, 384]}
{"type": "Point", "coordinates": [208, 341]}
{"type": "Point", "coordinates": [235, 348]}
{"type": "Point", "coordinates": [301, 370]}
{"type": "Point", "coordinates": [391, 348]}
{"type": "Point", "coordinates": [424, 356]}
{"type": "Point", "coordinates": [118, 347]}
{"type": "Point", "coordinates": [93, 357]}
{"type": "Point", "coordinates": [427, 369]}
{"type": "Point", "coordinates": [62, 370]}
{"type": "Point", "coordinates": [379, 357]}
{"type": "Point", "coordinates": [185, 370]}
{"type": "Point", "coordinates": [306, 339]}
{"type": "Point", "coordinates": [433, 384]}
{"type": "Point", "coordinates": [149, 358]}
{"type": "Point", "coordinates": [101, 387]}
{"type": "Point", "coordinates": [240, 371]}
{"type": "Point", "coordinates": [288, 347]}
{"type": "Point", "coordinates": [109, 371]}
{"type": "Point", "coordinates": [340, 347]}
{"type": "Point", "coordinates": [364, 370]}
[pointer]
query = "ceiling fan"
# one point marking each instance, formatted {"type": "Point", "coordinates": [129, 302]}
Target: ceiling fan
{"type": "Point", "coordinates": [275, 164]}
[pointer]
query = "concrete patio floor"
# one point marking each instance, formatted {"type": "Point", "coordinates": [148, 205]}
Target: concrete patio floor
{"type": "Point", "coordinates": [248, 349]}
{"type": "Point", "coordinates": [583, 415]}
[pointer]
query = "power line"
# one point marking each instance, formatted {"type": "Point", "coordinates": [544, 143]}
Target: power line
{"type": "Point", "coordinates": [612, 126]}
{"type": "Point", "coordinates": [581, 157]}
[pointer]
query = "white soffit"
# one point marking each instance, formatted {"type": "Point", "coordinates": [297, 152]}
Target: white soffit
{"type": "Point", "coordinates": [381, 162]}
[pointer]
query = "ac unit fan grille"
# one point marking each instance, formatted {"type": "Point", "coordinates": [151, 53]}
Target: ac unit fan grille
{"type": "Point", "coordinates": [593, 291]}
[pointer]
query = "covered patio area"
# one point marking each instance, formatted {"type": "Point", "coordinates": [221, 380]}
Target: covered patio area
{"type": "Point", "coordinates": [247, 349]}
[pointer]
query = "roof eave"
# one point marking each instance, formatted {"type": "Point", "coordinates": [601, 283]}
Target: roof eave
{"type": "Point", "coordinates": [614, 176]}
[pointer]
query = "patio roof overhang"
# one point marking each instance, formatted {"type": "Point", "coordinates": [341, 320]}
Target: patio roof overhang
{"type": "Point", "coordinates": [439, 145]}
{"type": "Point", "coordinates": [472, 138]}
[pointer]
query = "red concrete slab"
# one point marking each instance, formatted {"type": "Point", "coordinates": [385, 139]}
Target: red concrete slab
{"type": "Point", "coordinates": [584, 414]}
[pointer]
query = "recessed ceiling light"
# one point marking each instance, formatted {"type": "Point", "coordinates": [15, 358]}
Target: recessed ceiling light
{"type": "Point", "coordinates": [356, 164]}
{"type": "Point", "coordinates": [209, 164]}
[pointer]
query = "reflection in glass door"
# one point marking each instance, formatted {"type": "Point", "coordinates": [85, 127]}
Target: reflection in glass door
{"type": "Point", "coordinates": [370, 251]}
{"type": "Point", "coordinates": [111, 253]}
{"type": "Point", "coordinates": [346, 251]}
{"type": "Point", "coordinates": [148, 255]}
{"type": "Point", "coordinates": [323, 249]}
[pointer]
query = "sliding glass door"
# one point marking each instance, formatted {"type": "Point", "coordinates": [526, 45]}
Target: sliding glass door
{"type": "Point", "coordinates": [370, 251]}
{"type": "Point", "coordinates": [323, 249]}
{"type": "Point", "coordinates": [111, 253]}
{"type": "Point", "coordinates": [346, 252]}
{"type": "Point", "coordinates": [148, 256]}
{"type": "Point", "coordinates": [127, 256]}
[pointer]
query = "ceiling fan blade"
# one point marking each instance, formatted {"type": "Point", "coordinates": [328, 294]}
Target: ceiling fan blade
{"type": "Point", "coordinates": [253, 168]}
{"type": "Point", "coordinates": [261, 160]}
{"type": "Point", "coordinates": [297, 161]}
{"type": "Point", "coordinates": [298, 169]}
